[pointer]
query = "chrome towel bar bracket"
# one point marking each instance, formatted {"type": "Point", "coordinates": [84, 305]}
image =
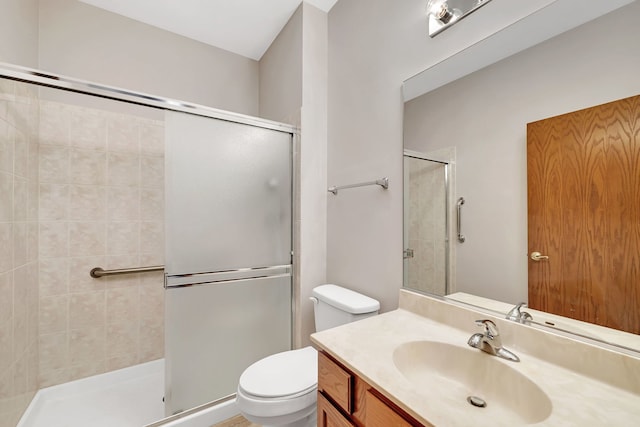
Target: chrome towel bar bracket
{"type": "Point", "coordinates": [382, 182]}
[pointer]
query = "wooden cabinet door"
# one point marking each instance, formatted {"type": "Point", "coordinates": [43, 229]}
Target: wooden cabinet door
{"type": "Point", "coordinates": [380, 415]}
{"type": "Point", "coordinates": [329, 416]}
{"type": "Point", "coordinates": [583, 179]}
{"type": "Point", "coordinates": [335, 382]}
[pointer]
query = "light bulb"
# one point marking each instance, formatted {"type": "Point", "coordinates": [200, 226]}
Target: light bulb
{"type": "Point", "coordinates": [440, 10]}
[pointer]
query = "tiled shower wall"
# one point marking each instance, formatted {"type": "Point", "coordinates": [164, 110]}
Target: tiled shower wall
{"type": "Point", "coordinates": [101, 204]}
{"type": "Point", "coordinates": [18, 249]}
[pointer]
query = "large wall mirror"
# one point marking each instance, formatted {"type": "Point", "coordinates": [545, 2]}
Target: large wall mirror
{"type": "Point", "coordinates": [483, 118]}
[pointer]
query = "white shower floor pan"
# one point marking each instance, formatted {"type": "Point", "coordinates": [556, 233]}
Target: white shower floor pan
{"type": "Point", "coordinates": [130, 397]}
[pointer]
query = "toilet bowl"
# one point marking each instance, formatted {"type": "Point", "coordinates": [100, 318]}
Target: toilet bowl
{"type": "Point", "coordinates": [281, 390]}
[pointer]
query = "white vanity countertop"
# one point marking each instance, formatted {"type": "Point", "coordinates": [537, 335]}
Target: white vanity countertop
{"type": "Point", "coordinates": [587, 385]}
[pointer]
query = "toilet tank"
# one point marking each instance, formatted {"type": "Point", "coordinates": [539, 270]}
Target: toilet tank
{"type": "Point", "coordinates": [335, 306]}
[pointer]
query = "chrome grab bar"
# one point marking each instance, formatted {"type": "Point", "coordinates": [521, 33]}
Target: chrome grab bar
{"type": "Point", "coordinates": [461, 238]}
{"type": "Point", "coordinates": [382, 182]}
{"type": "Point", "coordinates": [99, 272]}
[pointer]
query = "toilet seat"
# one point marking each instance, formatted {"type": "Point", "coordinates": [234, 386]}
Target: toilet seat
{"type": "Point", "coordinates": [283, 374]}
{"type": "Point", "coordinates": [283, 383]}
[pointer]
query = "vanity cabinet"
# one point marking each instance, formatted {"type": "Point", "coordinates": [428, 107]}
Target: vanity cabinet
{"type": "Point", "coordinates": [346, 400]}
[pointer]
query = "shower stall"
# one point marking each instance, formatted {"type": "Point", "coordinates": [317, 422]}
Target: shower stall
{"type": "Point", "coordinates": [84, 180]}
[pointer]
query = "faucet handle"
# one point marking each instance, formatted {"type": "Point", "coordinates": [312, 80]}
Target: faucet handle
{"type": "Point", "coordinates": [490, 328]}
{"type": "Point", "coordinates": [519, 316]}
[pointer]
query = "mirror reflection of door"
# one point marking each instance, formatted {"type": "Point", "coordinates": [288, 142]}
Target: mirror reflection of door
{"type": "Point", "coordinates": [583, 179]}
{"type": "Point", "coordinates": [425, 233]}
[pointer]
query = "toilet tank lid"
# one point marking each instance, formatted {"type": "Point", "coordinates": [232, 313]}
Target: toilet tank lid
{"type": "Point", "coordinates": [345, 299]}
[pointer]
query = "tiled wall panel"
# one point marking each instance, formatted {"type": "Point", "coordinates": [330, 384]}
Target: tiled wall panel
{"type": "Point", "coordinates": [79, 188]}
{"type": "Point", "coordinates": [18, 249]}
{"type": "Point", "coordinates": [101, 204]}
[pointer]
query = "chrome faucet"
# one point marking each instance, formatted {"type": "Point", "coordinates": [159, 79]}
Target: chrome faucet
{"type": "Point", "coordinates": [490, 341]}
{"type": "Point", "coordinates": [519, 316]}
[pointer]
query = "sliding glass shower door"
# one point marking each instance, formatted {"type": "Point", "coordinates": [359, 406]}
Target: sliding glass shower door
{"type": "Point", "coordinates": [228, 253]}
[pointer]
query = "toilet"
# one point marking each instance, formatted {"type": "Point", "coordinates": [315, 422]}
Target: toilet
{"type": "Point", "coordinates": [280, 390]}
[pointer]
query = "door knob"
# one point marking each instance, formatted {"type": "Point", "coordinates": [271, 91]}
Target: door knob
{"type": "Point", "coordinates": [537, 256]}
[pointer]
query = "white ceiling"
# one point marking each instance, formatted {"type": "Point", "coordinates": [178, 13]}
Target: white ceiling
{"type": "Point", "coordinates": [245, 27]}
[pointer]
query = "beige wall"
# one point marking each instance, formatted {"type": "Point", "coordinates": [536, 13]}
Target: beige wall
{"type": "Point", "coordinates": [19, 32]}
{"type": "Point", "coordinates": [101, 205]}
{"type": "Point", "coordinates": [89, 43]}
{"type": "Point", "coordinates": [313, 161]}
{"type": "Point", "coordinates": [18, 249]}
{"type": "Point", "coordinates": [373, 46]}
{"type": "Point", "coordinates": [484, 116]}
{"type": "Point", "coordinates": [281, 74]}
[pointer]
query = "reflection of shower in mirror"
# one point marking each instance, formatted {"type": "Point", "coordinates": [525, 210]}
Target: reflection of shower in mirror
{"type": "Point", "coordinates": [426, 259]}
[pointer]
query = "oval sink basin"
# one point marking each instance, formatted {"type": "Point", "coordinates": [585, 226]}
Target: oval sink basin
{"type": "Point", "coordinates": [458, 373]}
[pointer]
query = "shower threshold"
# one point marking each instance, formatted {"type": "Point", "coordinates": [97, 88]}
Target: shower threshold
{"type": "Point", "coordinates": [129, 397]}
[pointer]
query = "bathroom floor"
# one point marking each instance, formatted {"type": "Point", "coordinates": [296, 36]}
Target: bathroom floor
{"type": "Point", "coordinates": [237, 421]}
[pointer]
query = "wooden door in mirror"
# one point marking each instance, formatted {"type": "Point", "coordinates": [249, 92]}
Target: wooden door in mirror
{"type": "Point", "coordinates": [583, 180]}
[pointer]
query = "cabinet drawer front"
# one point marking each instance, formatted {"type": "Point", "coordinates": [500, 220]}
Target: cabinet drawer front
{"type": "Point", "coordinates": [380, 415]}
{"type": "Point", "coordinates": [328, 416]}
{"type": "Point", "coordinates": [335, 382]}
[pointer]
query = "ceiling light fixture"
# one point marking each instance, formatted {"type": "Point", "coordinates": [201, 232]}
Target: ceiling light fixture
{"type": "Point", "coordinates": [444, 13]}
{"type": "Point", "coordinates": [440, 10]}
